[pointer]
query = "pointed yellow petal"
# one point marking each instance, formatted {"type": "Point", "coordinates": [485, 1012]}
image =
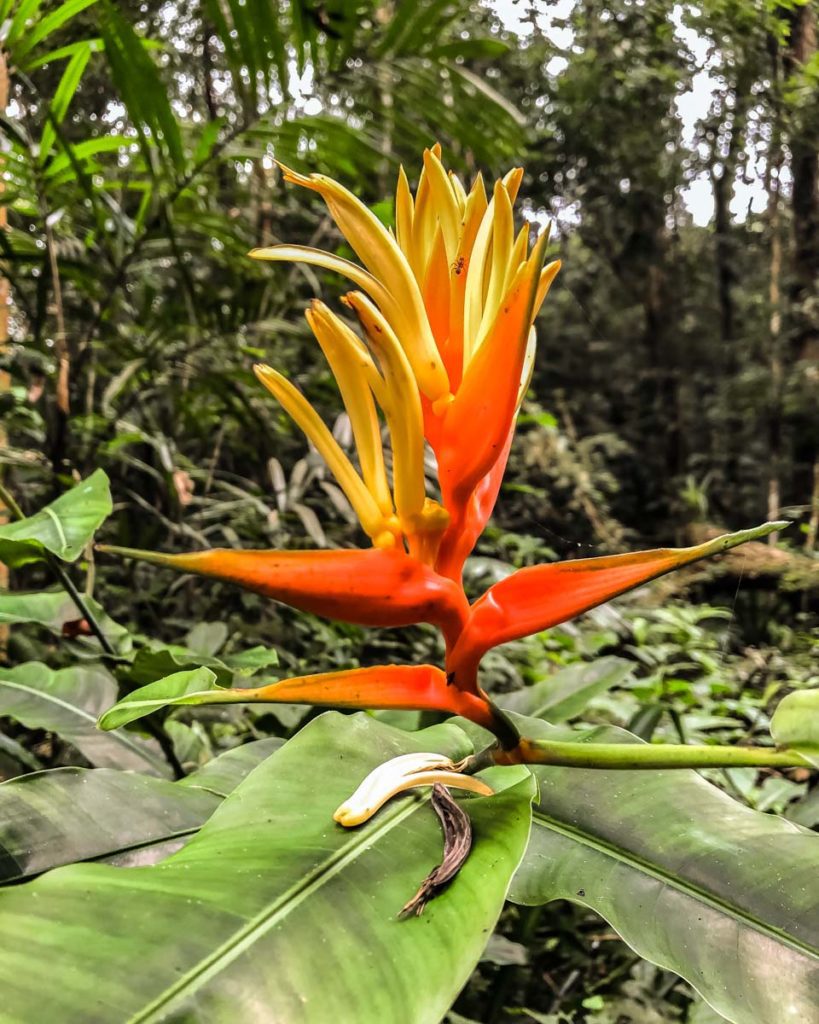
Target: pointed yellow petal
{"type": "Point", "coordinates": [297, 406]}
{"type": "Point", "coordinates": [402, 408]}
{"type": "Point", "coordinates": [436, 291]}
{"type": "Point", "coordinates": [352, 364]}
{"type": "Point", "coordinates": [520, 250]}
{"type": "Point", "coordinates": [547, 275]}
{"type": "Point", "coordinates": [502, 240]}
{"type": "Point", "coordinates": [475, 276]}
{"type": "Point", "coordinates": [404, 214]}
{"type": "Point", "coordinates": [474, 211]}
{"type": "Point", "coordinates": [319, 258]}
{"type": "Point", "coordinates": [381, 255]}
{"type": "Point", "coordinates": [424, 226]}
{"type": "Point", "coordinates": [459, 190]}
{"type": "Point", "coordinates": [445, 203]}
{"type": "Point", "coordinates": [511, 181]}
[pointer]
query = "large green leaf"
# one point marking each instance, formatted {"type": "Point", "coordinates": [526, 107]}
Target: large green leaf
{"type": "Point", "coordinates": [224, 773]}
{"type": "Point", "coordinates": [566, 694]}
{"type": "Point", "coordinates": [795, 723]}
{"type": "Point", "coordinates": [64, 527]}
{"type": "Point", "coordinates": [68, 702]}
{"type": "Point", "coordinates": [274, 912]}
{"type": "Point", "coordinates": [73, 814]}
{"type": "Point", "coordinates": [53, 609]}
{"type": "Point", "coordinates": [692, 880]}
{"type": "Point", "coordinates": [179, 689]}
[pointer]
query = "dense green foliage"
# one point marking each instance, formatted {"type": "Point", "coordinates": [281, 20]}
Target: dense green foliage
{"type": "Point", "coordinates": [675, 391]}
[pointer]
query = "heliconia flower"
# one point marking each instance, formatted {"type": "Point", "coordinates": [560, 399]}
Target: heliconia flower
{"type": "Point", "coordinates": [446, 306]}
{"type": "Point", "coordinates": [409, 771]}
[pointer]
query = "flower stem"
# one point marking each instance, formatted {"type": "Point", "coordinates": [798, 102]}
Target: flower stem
{"type": "Point", "coordinates": [646, 755]}
{"type": "Point", "coordinates": [65, 581]}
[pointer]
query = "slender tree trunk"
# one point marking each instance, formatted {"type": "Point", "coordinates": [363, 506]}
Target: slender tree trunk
{"type": "Point", "coordinates": [775, 301]}
{"type": "Point", "coordinates": [723, 189]}
{"type": "Point", "coordinates": [776, 369]}
{"type": "Point", "coordinates": [804, 145]}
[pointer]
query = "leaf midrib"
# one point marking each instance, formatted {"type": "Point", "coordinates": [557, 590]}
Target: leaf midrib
{"type": "Point", "coordinates": [82, 714]}
{"type": "Point", "coordinates": [282, 905]}
{"type": "Point", "coordinates": [673, 881]}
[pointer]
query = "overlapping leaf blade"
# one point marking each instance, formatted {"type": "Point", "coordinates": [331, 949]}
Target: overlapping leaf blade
{"type": "Point", "coordinates": [68, 702]}
{"type": "Point", "coordinates": [273, 912]}
{"type": "Point", "coordinates": [63, 528]}
{"type": "Point", "coordinates": [73, 814]}
{"type": "Point", "coordinates": [691, 879]}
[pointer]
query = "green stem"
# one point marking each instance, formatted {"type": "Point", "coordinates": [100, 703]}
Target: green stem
{"type": "Point", "coordinates": [647, 755]}
{"type": "Point", "coordinates": [64, 579]}
{"type": "Point", "coordinates": [156, 730]}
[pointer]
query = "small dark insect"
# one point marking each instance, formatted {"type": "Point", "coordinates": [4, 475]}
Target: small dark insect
{"type": "Point", "coordinates": [457, 844]}
{"type": "Point", "coordinates": [458, 265]}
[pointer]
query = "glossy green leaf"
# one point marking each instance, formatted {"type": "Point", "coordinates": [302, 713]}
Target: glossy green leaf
{"type": "Point", "coordinates": [74, 814]}
{"type": "Point", "coordinates": [181, 688]}
{"type": "Point", "coordinates": [64, 527]}
{"type": "Point", "coordinates": [54, 609]}
{"type": "Point", "coordinates": [795, 724]}
{"type": "Point", "coordinates": [68, 703]}
{"type": "Point", "coordinates": [274, 912]}
{"type": "Point", "coordinates": [692, 880]}
{"type": "Point", "coordinates": [57, 817]}
{"type": "Point", "coordinates": [567, 693]}
{"type": "Point", "coordinates": [150, 665]}
{"type": "Point", "coordinates": [224, 773]}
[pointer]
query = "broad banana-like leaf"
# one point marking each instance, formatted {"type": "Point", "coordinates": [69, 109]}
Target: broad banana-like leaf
{"type": "Point", "coordinates": [73, 814]}
{"type": "Point", "coordinates": [224, 773]}
{"type": "Point", "coordinates": [795, 724]}
{"type": "Point", "coordinates": [63, 528]}
{"type": "Point", "coordinates": [55, 610]}
{"type": "Point", "coordinates": [66, 815]}
{"type": "Point", "coordinates": [68, 702]}
{"type": "Point", "coordinates": [566, 694]}
{"type": "Point", "coordinates": [273, 911]}
{"type": "Point", "coordinates": [723, 895]}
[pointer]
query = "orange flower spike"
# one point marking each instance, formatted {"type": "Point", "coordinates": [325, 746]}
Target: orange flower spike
{"type": "Point", "coordinates": [388, 687]}
{"type": "Point", "coordinates": [373, 587]}
{"type": "Point", "coordinates": [542, 596]}
{"type": "Point", "coordinates": [490, 389]}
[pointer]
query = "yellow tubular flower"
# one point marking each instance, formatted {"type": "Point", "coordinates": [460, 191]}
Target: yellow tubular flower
{"type": "Point", "coordinates": [503, 229]}
{"type": "Point", "coordinates": [547, 275]}
{"type": "Point", "coordinates": [445, 202]}
{"type": "Point", "coordinates": [351, 365]}
{"type": "Point", "coordinates": [381, 255]}
{"type": "Point", "coordinates": [402, 406]}
{"type": "Point", "coordinates": [404, 214]}
{"type": "Point", "coordinates": [378, 527]}
{"type": "Point", "coordinates": [459, 190]}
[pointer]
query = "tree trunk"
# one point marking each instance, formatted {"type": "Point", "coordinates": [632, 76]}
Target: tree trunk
{"type": "Point", "coordinates": [804, 145]}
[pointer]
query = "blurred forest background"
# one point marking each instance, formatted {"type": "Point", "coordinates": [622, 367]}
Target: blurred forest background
{"type": "Point", "coordinates": [675, 149]}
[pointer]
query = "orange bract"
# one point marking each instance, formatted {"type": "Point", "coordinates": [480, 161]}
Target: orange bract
{"type": "Point", "coordinates": [446, 308]}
